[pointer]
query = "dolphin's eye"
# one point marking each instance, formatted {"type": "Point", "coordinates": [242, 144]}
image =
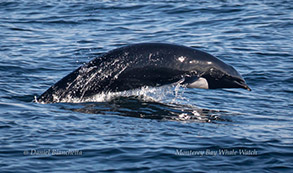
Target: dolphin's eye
{"type": "Point", "coordinates": [193, 73]}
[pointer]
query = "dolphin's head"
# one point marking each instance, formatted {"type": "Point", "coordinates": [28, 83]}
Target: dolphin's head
{"type": "Point", "coordinates": [224, 76]}
{"type": "Point", "coordinates": [212, 73]}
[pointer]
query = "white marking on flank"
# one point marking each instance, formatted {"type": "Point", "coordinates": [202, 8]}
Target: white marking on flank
{"type": "Point", "coordinates": [199, 83]}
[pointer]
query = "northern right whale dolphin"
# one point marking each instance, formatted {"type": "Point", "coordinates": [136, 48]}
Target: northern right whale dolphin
{"type": "Point", "coordinates": [145, 64]}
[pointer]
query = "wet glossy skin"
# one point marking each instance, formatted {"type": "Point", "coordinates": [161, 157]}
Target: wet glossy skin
{"type": "Point", "coordinates": [138, 65]}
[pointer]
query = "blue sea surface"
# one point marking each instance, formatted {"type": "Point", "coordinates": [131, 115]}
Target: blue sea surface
{"type": "Point", "coordinates": [157, 129]}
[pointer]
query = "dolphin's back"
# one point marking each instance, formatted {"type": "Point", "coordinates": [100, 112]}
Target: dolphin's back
{"type": "Point", "coordinates": [130, 67]}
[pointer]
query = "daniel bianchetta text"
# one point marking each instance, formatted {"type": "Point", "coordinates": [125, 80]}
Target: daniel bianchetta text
{"type": "Point", "coordinates": [52, 152]}
{"type": "Point", "coordinates": [219, 152]}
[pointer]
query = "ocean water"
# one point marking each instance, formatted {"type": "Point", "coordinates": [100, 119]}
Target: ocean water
{"type": "Point", "coordinates": [153, 129]}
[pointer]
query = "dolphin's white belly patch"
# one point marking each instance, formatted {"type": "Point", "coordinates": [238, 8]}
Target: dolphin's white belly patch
{"type": "Point", "coordinates": [199, 83]}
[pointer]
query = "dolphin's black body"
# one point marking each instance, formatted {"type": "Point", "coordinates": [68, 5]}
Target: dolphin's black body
{"type": "Point", "coordinates": [146, 64]}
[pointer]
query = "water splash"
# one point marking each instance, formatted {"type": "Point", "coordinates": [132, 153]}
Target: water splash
{"type": "Point", "coordinates": [139, 107]}
{"type": "Point", "coordinates": [167, 94]}
{"type": "Point", "coordinates": [161, 103]}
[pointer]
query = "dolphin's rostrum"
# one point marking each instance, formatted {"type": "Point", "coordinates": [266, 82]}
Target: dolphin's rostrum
{"type": "Point", "coordinates": [145, 64]}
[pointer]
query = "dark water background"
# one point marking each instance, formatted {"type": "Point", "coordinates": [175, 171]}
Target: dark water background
{"type": "Point", "coordinates": [167, 129]}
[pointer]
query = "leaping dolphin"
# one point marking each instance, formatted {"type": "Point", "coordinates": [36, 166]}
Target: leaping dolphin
{"type": "Point", "coordinates": [145, 64]}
